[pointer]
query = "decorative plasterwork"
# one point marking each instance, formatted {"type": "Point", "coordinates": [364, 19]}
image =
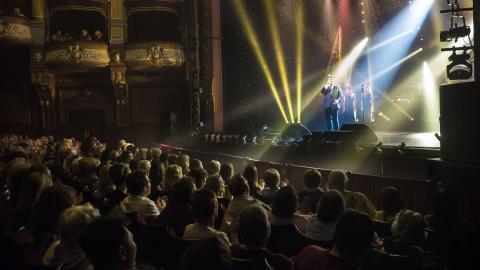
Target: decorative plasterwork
{"type": "Point", "coordinates": [15, 29]}
{"type": "Point", "coordinates": [44, 84]}
{"type": "Point", "coordinates": [154, 55]}
{"type": "Point", "coordinates": [171, 6]}
{"type": "Point", "coordinates": [78, 53]}
{"type": "Point", "coordinates": [85, 5]}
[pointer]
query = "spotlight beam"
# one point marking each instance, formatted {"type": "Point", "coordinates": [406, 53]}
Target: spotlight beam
{"type": "Point", "coordinates": [388, 41]}
{"type": "Point", "coordinates": [396, 64]}
{"type": "Point", "coordinates": [277, 44]}
{"type": "Point", "coordinates": [299, 15]}
{"type": "Point", "coordinates": [342, 69]}
{"type": "Point", "coordinates": [252, 37]}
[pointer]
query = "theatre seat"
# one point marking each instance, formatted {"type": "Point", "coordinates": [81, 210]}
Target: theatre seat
{"type": "Point", "coordinates": [245, 264]}
{"type": "Point", "coordinates": [288, 240]}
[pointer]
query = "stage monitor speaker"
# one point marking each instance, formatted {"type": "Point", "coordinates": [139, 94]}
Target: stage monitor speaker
{"type": "Point", "coordinates": [360, 133]}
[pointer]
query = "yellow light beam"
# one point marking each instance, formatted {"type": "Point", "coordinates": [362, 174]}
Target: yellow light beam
{"type": "Point", "coordinates": [277, 45]}
{"type": "Point", "coordinates": [252, 37]}
{"type": "Point", "coordinates": [299, 16]}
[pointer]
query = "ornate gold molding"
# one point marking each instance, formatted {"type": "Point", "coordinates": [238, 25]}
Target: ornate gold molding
{"type": "Point", "coordinates": [78, 53]}
{"type": "Point", "coordinates": [15, 29]}
{"type": "Point", "coordinates": [154, 55]}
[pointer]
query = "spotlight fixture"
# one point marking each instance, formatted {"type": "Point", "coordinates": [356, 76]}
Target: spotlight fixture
{"type": "Point", "coordinates": [460, 67]}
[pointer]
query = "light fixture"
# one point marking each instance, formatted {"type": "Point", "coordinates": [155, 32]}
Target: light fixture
{"type": "Point", "coordinates": [460, 67]}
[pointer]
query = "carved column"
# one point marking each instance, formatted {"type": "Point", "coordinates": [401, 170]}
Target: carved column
{"type": "Point", "coordinates": [217, 83]}
{"type": "Point", "coordinates": [43, 83]}
{"type": "Point", "coordinates": [120, 90]}
{"type": "Point", "coordinates": [38, 9]}
{"type": "Point", "coordinates": [189, 29]}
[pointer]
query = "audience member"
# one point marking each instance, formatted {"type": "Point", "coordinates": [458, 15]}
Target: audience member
{"type": "Point", "coordinates": [67, 252]}
{"type": "Point", "coordinates": [216, 184]}
{"type": "Point", "coordinates": [200, 176]}
{"type": "Point", "coordinates": [138, 187]}
{"type": "Point", "coordinates": [284, 207]}
{"type": "Point", "coordinates": [184, 162]}
{"type": "Point", "coordinates": [322, 226]}
{"type": "Point", "coordinates": [272, 185]}
{"type": "Point", "coordinates": [353, 200]}
{"type": "Point", "coordinates": [251, 174]}
{"type": "Point", "coordinates": [213, 167]}
{"type": "Point", "coordinates": [109, 245]}
{"type": "Point", "coordinates": [241, 199]}
{"type": "Point", "coordinates": [391, 202]}
{"type": "Point", "coordinates": [173, 173]}
{"type": "Point", "coordinates": [354, 234]}
{"type": "Point", "coordinates": [144, 166]}
{"type": "Point", "coordinates": [226, 171]}
{"type": "Point", "coordinates": [212, 253]}
{"type": "Point", "coordinates": [179, 213]}
{"type": "Point", "coordinates": [254, 230]}
{"type": "Point", "coordinates": [312, 180]}
{"type": "Point", "coordinates": [196, 164]}
{"type": "Point", "coordinates": [205, 210]}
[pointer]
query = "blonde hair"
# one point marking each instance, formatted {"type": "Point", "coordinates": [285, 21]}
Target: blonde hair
{"type": "Point", "coordinates": [33, 186]}
{"type": "Point", "coordinates": [75, 219]}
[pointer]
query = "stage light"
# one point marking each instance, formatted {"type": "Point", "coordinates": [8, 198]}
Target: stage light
{"type": "Point", "coordinates": [460, 67]}
{"type": "Point", "coordinates": [252, 38]}
{"type": "Point", "coordinates": [277, 45]}
{"type": "Point", "coordinates": [299, 17]}
{"type": "Point", "coordinates": [455, 33]}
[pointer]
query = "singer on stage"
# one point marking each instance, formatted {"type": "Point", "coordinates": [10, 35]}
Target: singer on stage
{"type": "Point", "coordinates": [349, 108]}
{"type": "Point", "coordinates": [331, 103]}
{"type": "Point", "coordinates": [366, 104]}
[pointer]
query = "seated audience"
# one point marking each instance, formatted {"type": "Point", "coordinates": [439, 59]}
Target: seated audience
{"type": "Point", "coordinates": [144, 166]}
{"type": "Point", "coordinates": [205, 210]}
{"type": "Point", "coordinates": [184, 162]}
{"type": "Point", "coordinates": [253, 232]}
{"type": "Point", "coordinates": [312, 180]}
{"type": "Point", "coordinates": [216, 184]}
{"type": "Point", "coordinates": [391, 202]}
{"type": "Point", "coordinates": [353, 200]}
{"type": "Point", "coordinates": [109, 245]}
{"type": "Point", "coordinates": [353, 237]}
{"type": "Point", "coordinates": [251, 174]}
{"type": "Point", "coordinates": [173, 173]}
{"type": "Point", "coordinates": [239, 189]}
{"type": "Point", "coordinates": [284, 207]}
{"type": "Point", "coordinates": [138, 188]}
{"type": "Point", "coordinates": [213, 167]}
{"type": "Point", "coordinates": [272, 185]}
{"type": "Point", "coordinates": [196, 164]}
{"type": "Point", "coordinates": [322, 226]}
{"type": "Point", "coordinates": [200, 176]}
{"type": "Point", "coordinates": [226, 171]}
{"type": "Point", "coordinates": [67, 251]}
{"type": "Point", "coordinates": [179, 213]}
{"type": "Point", "coordinates": [212, 253]}
{"type": "Point", "coordinates": [408, 236]}
{"type": "Point", "coordinates": [172, 159]}
{"type": "Point", "coordinates": [448, 236]}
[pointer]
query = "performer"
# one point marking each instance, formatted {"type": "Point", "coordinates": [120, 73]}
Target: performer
{"type": "Point", "coordinates": [366, 104]}
{"type": "Point", "coordinates": [349, 108]}
{"type": "Point", "coordinates": [331, 103]}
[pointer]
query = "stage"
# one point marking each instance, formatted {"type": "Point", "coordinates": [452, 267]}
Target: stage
{"type": "Point", "coordinates": [411, 139]}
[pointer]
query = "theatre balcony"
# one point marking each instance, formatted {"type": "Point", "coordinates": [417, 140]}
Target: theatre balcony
{"type": "Point", "coordinates": [155, 55]}
{"type": "Point", "coordinates": [14, 30]}
{"type": "Point", "coordinates": [77, 54]}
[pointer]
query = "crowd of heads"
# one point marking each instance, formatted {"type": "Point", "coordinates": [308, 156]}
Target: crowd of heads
{"type": "Point", "coordinates": [73, 197]}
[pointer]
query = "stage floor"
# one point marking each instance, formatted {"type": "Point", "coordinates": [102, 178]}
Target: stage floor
{"type": "Point", "coordinates": [411, 139]}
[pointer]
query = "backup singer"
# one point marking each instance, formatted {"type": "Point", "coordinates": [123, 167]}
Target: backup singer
{"type": "Point", "coordinates": [331, 103]}
{"type": "Point", "coordinates": [366, 104]}
{"type": "Point", "coordinates": [349, 108]}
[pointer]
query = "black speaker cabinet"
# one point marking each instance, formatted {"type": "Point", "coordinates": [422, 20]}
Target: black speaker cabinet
{"type": "Point", "coordinates": [459, 116]}
{"type": "Point", "coordinates": [360, 132]}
